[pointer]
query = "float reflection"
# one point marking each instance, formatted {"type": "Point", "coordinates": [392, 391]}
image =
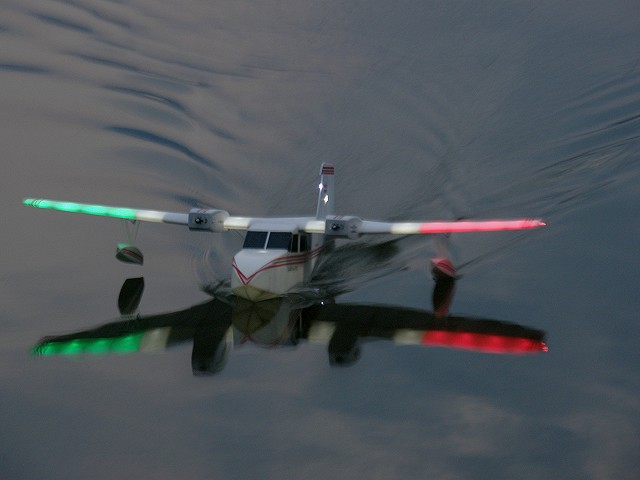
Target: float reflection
{"type": "Point", "coordinates": [217, 326]}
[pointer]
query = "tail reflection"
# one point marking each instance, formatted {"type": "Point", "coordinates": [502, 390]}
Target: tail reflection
{"type": "Point", "coordinates": [224, 322]}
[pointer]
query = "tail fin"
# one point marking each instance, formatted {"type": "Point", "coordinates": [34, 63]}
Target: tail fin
{"type": "Point", "coordinates": [326, 197]}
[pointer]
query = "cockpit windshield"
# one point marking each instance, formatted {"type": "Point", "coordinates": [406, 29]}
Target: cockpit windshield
{"type": "Point", "coordinates": [280, 240]}
{"type": "Point", "coordinates": [268, 240]}
{"type": "Point", "coordinates": [255, 239]}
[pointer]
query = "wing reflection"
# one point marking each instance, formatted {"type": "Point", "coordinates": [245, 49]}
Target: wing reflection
{"type": "Point", "coordinates": [225, 322]}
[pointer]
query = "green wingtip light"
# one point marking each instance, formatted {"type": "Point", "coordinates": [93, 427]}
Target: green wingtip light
{"type": "Point", "coordinates": [100, 210]}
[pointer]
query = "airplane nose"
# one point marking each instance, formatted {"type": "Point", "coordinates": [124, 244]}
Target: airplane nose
{"type": "Point", "coordinates": [248, 264]}
{"type": "Point", "coordinates": [255, 275]}
{"type": "Point", "coordinates": [244, 270]}
{"type": "Point", "coordinates": [244, 278]}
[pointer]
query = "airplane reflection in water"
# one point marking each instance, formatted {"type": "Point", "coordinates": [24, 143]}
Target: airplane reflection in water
{"type": "Point", "coordinates": [227, 321]}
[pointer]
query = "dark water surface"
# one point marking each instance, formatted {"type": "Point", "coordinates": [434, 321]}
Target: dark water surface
{"type": "Point", "coordinates": [428, 110]}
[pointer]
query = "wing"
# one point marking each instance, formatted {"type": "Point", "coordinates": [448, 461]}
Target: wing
{"type": "Point", "coordinates": [460, 226]}
{"type": "Point", "coordinates": [196, 219]}
{"type": "Point", "coordinates": [339, 226]}
{"type": "Point", "coordinates": [353, 227]}
{"type": "Point", "coordinates": [107, 211]}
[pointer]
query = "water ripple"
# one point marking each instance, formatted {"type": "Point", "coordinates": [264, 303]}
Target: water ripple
{"type": "Point", "coordinates": [163, 141]}
{"type": "Point", "coordinates": [597, 140]}
{"type": "Point", "coordinates": [149, 96]}
{"type": "Point", "coordinates": [62, 23]}
{"type": "Point", "coordinates": [173, 104]}
{"type": "Point", "coordinates": [23, 68]}
{"type": "Point", "coordinates": [99, 15]}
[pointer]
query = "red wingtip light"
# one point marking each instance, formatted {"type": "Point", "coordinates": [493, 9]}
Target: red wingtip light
{"type": "Point", "coordinates": [462, 226]}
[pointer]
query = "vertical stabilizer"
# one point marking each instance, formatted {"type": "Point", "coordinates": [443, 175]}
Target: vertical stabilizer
{"type": "Point", "coordinates": [326, 197]}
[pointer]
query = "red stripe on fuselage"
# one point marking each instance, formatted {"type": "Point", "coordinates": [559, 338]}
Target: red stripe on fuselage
{"type": "Point", "coordinates": [286, 261]}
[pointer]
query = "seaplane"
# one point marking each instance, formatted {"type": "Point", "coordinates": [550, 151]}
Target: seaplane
{"type": "Point", "coordinates": [279, 254]}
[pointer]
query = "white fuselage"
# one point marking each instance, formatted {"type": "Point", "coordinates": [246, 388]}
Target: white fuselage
{"type": "Point", "coordinates": [263, 270]}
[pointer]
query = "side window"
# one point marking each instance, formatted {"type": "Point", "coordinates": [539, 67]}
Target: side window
{"type": "Point", "coordinates": [304, 242]}
{"type": "Point", "coordinates": [294, 244]}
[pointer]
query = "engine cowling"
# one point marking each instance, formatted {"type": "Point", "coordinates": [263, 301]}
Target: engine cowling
{"type": "Point", "coordinates": [207, 219]}
{"type": "Point", "coordinates": [345, 227]}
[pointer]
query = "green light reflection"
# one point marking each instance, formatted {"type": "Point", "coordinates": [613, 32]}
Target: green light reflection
{"type": "Point", "coordinates": [94, 346]}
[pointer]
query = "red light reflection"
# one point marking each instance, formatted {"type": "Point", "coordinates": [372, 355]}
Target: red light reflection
{"type": "Point", "coordinates": [483, 342]}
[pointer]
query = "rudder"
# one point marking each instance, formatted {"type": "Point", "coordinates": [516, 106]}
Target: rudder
{"type": "Point", "coordinates": [326, 196]}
